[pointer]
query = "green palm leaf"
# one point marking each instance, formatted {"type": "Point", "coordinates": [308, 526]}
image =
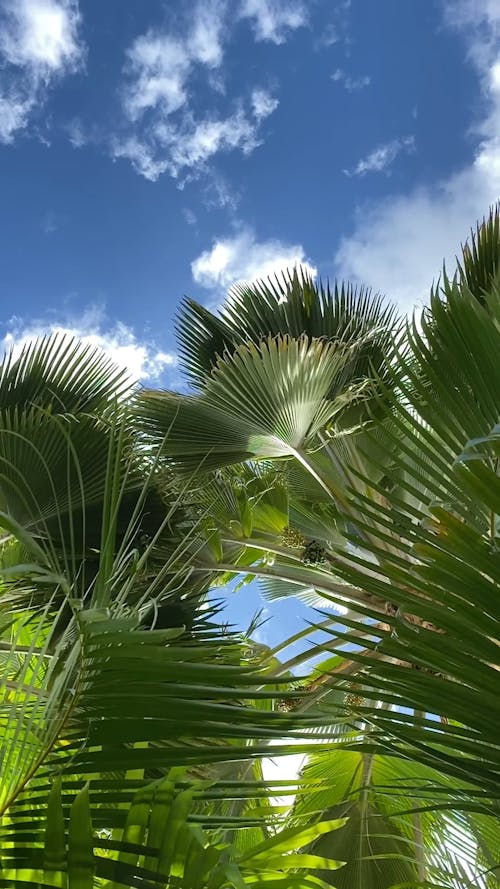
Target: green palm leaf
{"type": "Point", "coordinates": [67, 715]}
{"type": "Point", "coordinates": [263, 401]}
{"type": "Point", "coordinates": [294, 306]}
{"type": "Point", "coordinates": [61, 372]}
{"type": "Point", "coordinates": [480, 262]}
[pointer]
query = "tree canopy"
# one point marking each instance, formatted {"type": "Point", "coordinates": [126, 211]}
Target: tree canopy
{"type": "Point", "coordinates": [327, 449]}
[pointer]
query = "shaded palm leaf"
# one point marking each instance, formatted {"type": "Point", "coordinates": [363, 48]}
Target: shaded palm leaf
{"type": "Point", "coordinates": [479, 265]}
{"type": "Point", "coordinates": [63, 373]}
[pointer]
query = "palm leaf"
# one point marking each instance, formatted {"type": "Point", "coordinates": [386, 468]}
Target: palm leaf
{"type": "Point", "coordinates": [190, 700]}
{"type": "Point", "coordinates": [261, 402]}
{"type": "Point", "coordinates": [480, 262]}
{"type": "Point", "coordinates": [395, 828]}
{"type": "Point", "coordinates": [438, 565]}
{"type": "Point", "coordinates": [63, 373]}
{"type": "Point", "coordinates": [293, 306]}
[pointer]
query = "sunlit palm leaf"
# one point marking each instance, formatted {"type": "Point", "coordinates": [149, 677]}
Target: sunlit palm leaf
{"type": "Point", "coordinates": [188, 700]}
{"type": "Point", "coordinates": [293, 306]}
{"type": "Point", "coordinates": [396, 828]}
{"type": "Point", "coordinates": [263, 401]}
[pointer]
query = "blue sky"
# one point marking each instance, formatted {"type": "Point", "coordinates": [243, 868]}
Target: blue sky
{"type": "Point", "coordinates": [151, 150]}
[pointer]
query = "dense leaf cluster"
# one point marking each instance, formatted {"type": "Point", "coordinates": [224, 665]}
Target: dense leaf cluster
{"type": "Point", "coordinates": [326, 450]}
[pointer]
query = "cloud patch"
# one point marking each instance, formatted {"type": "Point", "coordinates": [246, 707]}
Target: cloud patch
{"type": "Point", "coordinates": [140, 357]}
{"type": "Point", "coordinates": [381, 158]}
{"type": "Point", "coordinates": [273, 19]}
{"type": "Point", "coordinates": [351, 84]}
{"type": "Point", "coordinates": [242, 257]}
{"type": "Point", "coordinates": [263, 104]}
{"type": "Point", "coordinates": [183, 148]}
{"type": "Point", "coordinates": [398, 244]}
{"type": "Point", "coordinates": [39, 43]}
{"type": "Point", "coordinates": [164, 131]}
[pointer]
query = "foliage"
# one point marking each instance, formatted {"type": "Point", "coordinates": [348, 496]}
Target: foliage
{"type": "Point", "coordinates": [332, 454]}
{"type": "Point", "coordinates": [101, 697]}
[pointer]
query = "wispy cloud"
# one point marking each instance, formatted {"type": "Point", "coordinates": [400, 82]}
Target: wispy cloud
{"type": "Point", "coordinates": [185, 146]}
{"type": "Point", "coordinates": [381, 158]}
{"type": "Point", "coordinates": [139, 356]}
{"type": "Point", "coordinates": [189, 215]}
{"type": "Point", "coordinates": [218, 193]}
{"type": "Point", "coordinates": [39, 43]}
{"type": "Point", "coordinates": [163, 133]}
{"type": "Point", "coordinates": [398, 244]}
{"type": "Point", "coordinates": [157, 70]}
{"type": "Point", "coordinates": [159, 64]}
{"type": "Point", "coordinates": [263, 103]}
{"type": "Point", "coordinates": [273, 19]}
{"type": "Point", "coordinates": [351, 84]}
{"type": "Point", "coordinates": [337, 30]}
{"type": "Point", "coordinates": [329, 36]}
{"type": "Point", "coordinates": [241, 257]}
{"type": "Point", "coordinates": [52, 222]}
{"type": "Point", "coordinates": [76, 133]}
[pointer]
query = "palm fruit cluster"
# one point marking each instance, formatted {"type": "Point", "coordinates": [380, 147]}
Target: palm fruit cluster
{"type": "Point", "coordinates": [353, 698]}
{"type": "Point", "coordinates": [292, 538]}
{"type": "Point", "coordinates": [314, 554]}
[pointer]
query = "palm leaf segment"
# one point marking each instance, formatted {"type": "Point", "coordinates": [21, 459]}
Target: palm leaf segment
{"type": "Point", "coordinates": [275, 369]}
{"type": "Point", "coordinates": [279, 396]}
{"type": "Point", "coordinates": [397, 831]}
{"type": "Point", "coordinates": [263, 401]}
{"type": "Point", "coordinates": [77, 722]}
{"type": "Point", "coordinates": [63, 425]}
{"type": "Point", "coordinates": [478, 269]}
{"type": "Point", "coordinates": [55, 403]}
{"type": "Point", "coordinates": [294, 306]}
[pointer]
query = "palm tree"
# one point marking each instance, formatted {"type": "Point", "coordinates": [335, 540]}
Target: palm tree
{"type": "Point", "coordinates": [376, 490]}
{"type": "Point", "coordinates": [115, 708]}
{"type": "Point", "coordinates": [327, 451]}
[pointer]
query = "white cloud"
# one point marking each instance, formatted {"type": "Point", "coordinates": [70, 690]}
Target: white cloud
{"type": "Point", "coordinates": [351, 84]}
{"type": "Point", "coordinates": [243, 258]}
{"type": "Point", "coordinates": [199, 141]}
{"type": "Point", "coordinates": [76, 133]}
{"type": "Point", "coordinates": [39, 42]}
{"type": "Point", "coordinates": [160, 64]}
{"type": "Point", "coordinates": [337, 31]}
{"type": "Point", "coordinates": [218, 193]}
{"type": "Point", "coordinates": [158, 67]}
{"type": "Point", "coordinates": [14, 112]}
{"type": "Point", "coordinates": [189, 215]}
{"type": "Point", "coordinates": [141, 358]}
{"type": "Point", "coordinates": [205, 37]}
{"type": "Point", "coordinates": [41, 34]}
{"type": "Point", "coordinates": [272, 19]}
{"type": "Point", "coordinates": [263, 103]}
{"type": "Point", "coordinates": [398, 244]}
{"type": "Point", "coordinates": [186, 146]}
{"type": "Point", "coordinates": [329, 36]}
{"type": "Point", "coordinates": [162, 133]}
{"type": "Point", "coordinates": [475, 14]}
{"type": "Point", "coordinates": [382, 157]}
{"type": "Point", "coordinates": [143, 155]}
